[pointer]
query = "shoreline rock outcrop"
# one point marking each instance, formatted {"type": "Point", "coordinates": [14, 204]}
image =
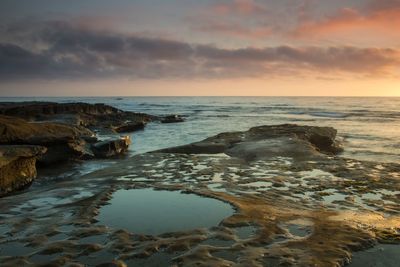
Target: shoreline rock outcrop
{"type": "Point", "coordinates": [63, 132]}
{"type": "Point", "coordinates": [23, 144]}
{"type": "Point", "coordinates": [63, 142]}
{"type": "Point", "coordinates": [99, 117]}
{"type": "Point", "coordinates": [286, 140]}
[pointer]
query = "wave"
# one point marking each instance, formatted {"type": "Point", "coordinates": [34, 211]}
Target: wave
{"type": "Point", "coordinates": [328, 114]}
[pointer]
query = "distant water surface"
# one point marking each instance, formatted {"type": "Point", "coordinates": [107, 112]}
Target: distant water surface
{"type": "Point", "coordinates": [369, 127]}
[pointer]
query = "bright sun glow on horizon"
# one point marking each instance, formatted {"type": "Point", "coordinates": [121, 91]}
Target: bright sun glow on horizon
{"type": "Point", "coordinates": [205, 88]}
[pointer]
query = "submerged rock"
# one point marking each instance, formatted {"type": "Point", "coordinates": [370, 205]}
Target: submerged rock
{"type": "Point", "coordinates": [18, 166]}
{"type": "Point", "coordinates": [287, 140]}
{"type": "Point", "coordinates": [172, 119]}
{"type": "Point", "coordinates": [130, 127]}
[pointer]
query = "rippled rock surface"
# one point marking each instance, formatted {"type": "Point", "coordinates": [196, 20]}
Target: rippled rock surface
{"type": "Point", "coordinates": [290, 210]}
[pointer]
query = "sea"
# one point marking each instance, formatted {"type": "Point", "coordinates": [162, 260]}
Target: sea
{"type": "Point", "coordinates": [368, 127]}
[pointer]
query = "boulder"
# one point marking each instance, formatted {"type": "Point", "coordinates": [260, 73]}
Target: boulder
{"type": "Point", "coordinates": [18, 131]}
{"type": "Point", "coordinates": [322, 138]}
{"type": "Point", "coordinates": [18, 166]}
{"type": "Point", "coordinates": [287, 140]}
{"type": "Point", "coordinates": [62, 152]}
{"type": "Point", "coordinates": [63, 142]}
{"type": "Point", "coordinates": [111, 148]}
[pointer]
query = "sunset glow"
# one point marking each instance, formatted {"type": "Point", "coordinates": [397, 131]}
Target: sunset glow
{"type": "Point", "coordinates": [236, 47]}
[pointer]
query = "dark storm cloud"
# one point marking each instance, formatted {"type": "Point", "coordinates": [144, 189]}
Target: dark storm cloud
{"type": "Point", "coordinates": [17, 63]}
{"type": "Point", "coordinates": [61, 50]}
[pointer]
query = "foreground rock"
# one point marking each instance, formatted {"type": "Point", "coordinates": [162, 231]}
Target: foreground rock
{"type": "Point", "coordinates": [18, 166]}
{"type": "Point", "coordinates": [23, 144]}
{"type": "Point", "coordinates": [98, 117]}
{"type": "Point", "coordinates": [288, 212]}
{"type": "Point", "coordinates": [63, 142]}
{"type": "Point", "coordinates": [287, 140]}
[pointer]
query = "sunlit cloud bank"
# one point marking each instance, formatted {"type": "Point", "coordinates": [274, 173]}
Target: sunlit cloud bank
{"type": "Point", "coordinates": [62, 50]}
{"type": "Point", "coordinates": [310, 47]}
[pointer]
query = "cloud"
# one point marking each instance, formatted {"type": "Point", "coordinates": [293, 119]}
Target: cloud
{"type": "Point", "coordinates": [378, 20]}
{"type": "Point", "coordinates": [376, 5]}
{"type": "Point", "coordinates": [239, 7]}
{"type": "Point", "coordinates": [236, 18]}
{"type": "Point", "coordinates": [373, 22]}
{"type": "Point", "coordinates": [234, 29]}
{"type": "Point", "coordinates": [61, 50]}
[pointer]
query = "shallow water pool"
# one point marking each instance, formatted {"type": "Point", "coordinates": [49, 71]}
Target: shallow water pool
{"type": "Point", "coordinates": [147, 211]}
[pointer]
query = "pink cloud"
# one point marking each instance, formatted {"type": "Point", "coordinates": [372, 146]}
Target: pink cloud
{"type": "Point", "coordinates": [378, 21]}
{"type": "Point", "coordinates": [238, 18]}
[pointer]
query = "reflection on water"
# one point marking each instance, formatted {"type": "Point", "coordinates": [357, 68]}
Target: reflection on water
{"type": "Point", "coordinates": [379, 256]}
{"type": "Point", "coordinates": [245, 232]}
{"type": "Point", "coordinates": [146, 211]}
{"type": "Point", "coordinates": [14, 249]}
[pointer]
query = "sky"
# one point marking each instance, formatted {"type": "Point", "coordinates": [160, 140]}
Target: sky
{"type": "Point", "coordinates": [192, 47]}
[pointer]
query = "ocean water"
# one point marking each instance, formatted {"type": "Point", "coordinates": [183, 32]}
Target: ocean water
{"type": "Point", "coordinates": [368, 127]}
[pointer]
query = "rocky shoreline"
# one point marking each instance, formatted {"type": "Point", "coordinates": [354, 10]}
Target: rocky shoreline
{"type": "Point", "coordinates": [304, 204]}
{"type": "Point", "coordinates": [56, 133]}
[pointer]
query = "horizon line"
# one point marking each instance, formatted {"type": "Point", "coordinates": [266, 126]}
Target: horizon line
{"type": "Point", "coordinates": [121, 96]}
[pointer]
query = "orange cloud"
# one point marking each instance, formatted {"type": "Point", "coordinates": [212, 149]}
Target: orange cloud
{"type": "Point", "coordinates": [379, 23]}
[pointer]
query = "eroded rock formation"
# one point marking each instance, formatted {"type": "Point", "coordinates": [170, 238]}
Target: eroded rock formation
{"type": "Point", "coordinates": [24, 143]}
{"type": "Point", "coordinates": [18, 166]}
{"type": "Point", "coordinates": [95, 116]}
